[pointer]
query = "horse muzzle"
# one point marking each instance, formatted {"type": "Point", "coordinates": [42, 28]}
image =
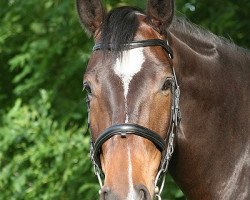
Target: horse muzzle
{"type": "Point", "coordinates": [140, 192]}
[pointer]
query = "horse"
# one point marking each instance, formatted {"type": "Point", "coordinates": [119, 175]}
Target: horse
{"type": "Point", "coordinates": [165, 95]}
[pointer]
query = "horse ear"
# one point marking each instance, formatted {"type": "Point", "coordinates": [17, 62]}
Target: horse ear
{"type": "Point", "coordinates": [91, 14]}
{"type": "Point", "coordinates": [161, 13]}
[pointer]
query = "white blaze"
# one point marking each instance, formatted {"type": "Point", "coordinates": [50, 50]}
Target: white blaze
{"type": "Point", "coordinates": [127, 67]}
{"type": "Point", "coordinates": [131, 192]}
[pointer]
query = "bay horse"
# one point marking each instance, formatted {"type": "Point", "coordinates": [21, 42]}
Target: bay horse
{"type": "Point", "coordinates": [165, 95]}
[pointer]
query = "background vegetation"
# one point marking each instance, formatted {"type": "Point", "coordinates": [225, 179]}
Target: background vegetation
{"type": "Point", "coordinates": [44, 141]}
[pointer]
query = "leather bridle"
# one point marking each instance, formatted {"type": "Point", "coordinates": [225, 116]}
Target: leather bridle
{"type": "Point", "coordinates": [141, 43]}
{"type": "Point", "coordinates": [165, 146]}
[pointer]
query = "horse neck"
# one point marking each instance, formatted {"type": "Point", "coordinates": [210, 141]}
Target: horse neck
{"type": "Point", "coordinates": [212, 146]}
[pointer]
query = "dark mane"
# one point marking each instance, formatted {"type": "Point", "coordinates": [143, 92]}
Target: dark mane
{"type": "Point", "coordinates": [119, 28]}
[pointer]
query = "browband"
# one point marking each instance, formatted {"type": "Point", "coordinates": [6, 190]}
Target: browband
{"type": "Point", "coordinates": [123, 130]}
{"type": "Point", "coordinates": [141, 43]}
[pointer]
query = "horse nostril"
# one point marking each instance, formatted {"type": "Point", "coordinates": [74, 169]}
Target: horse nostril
{"type": "Point", "coordinates": [143, 192]}
{"type": "Point", "coordinates": [142, 195]}
{"type": "Point", "coordinates": [104, 193]}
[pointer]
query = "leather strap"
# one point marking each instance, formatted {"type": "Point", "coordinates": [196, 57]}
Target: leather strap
{"type": "Point", "coordinates": [141, 43]}
{"type": "Point", "coordinates": [123, 130]}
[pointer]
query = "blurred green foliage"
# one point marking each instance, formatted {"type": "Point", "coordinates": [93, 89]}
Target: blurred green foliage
{"type": "Point", "coordinates": [43, 54]}
{"type": "Point", "coordinates": [40, 158]}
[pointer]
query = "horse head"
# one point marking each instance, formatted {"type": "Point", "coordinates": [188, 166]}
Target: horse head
{"type": "Point", "coordinates": [132, 96]}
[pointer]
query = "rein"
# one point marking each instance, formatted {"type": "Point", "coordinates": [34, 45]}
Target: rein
{"type": "Point", "coordinates": [165, 146]}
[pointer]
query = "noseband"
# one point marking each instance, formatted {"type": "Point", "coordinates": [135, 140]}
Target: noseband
{"type": "Point", "coordinates": [165, 146]}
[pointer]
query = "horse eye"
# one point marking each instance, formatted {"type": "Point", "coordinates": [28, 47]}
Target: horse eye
{"type": "Point", "coordinates": [167, 84]}
{"type": "Point", "coordinates": [87, 88]}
